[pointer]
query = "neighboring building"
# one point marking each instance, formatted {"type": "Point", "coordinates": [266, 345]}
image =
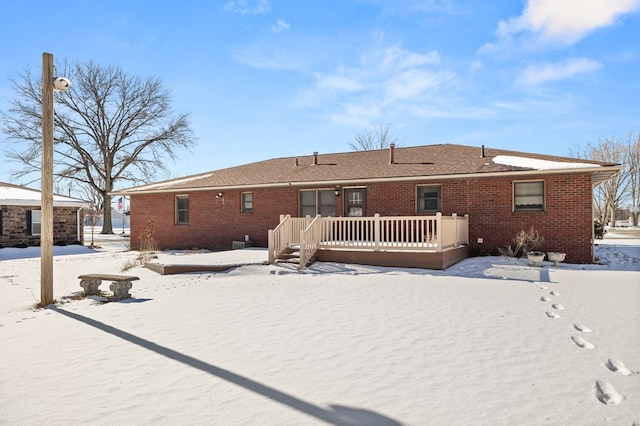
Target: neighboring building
{"type": "Point", "coordinates": [20, 217]}
{"type": "Point", "coordinates": [119, 221]}
{"type": "Point", "coordinates": [501, 191]}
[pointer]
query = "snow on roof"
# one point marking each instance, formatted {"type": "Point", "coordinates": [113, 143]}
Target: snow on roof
{"type": "Point", "coordinates": [534, 163]}
{"type": "Point", "coordinates": [173, 182]}
{"type": "Point", "coordinates": [16, 195]}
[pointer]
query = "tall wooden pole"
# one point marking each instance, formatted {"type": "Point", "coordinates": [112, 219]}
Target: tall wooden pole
{"type": "Point", "coordinates": [46, 235]}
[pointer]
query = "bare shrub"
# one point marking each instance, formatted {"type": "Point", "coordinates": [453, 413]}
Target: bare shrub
{"type": "Point", "coordinates": [130, 263]}
{"type": "Point", "coordinates": [526, 241]}
{"type": "Point", "coordinates": [148, 244]}
{"type": "Point", "coordinates": [148, 247]}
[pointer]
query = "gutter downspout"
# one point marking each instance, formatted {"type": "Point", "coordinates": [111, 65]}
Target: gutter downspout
{"type": "Point", "coordinates": [80, 226]}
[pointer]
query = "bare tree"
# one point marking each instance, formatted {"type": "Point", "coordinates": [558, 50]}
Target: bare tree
{"type": "Point", "coordinates": [370, 139]}
{"type": "Point", "coordinates": [109, 127]}
{"type": "Point", "coordinates": [609, 194]}
{"type": "Point", "coordinates": [633, 160]}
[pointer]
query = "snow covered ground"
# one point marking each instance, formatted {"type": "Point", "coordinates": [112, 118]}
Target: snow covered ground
{"type": "Point", "coordinates": [489, 341]}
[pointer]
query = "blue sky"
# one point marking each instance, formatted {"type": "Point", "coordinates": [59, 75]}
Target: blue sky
{"type": "Point", "coordinates": [277, 78]}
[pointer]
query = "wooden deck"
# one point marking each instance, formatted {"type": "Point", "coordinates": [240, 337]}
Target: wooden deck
{"type": "Point", "coordinates": [434, 242]}
{"type": "Point", "coordinates": [439, 260]}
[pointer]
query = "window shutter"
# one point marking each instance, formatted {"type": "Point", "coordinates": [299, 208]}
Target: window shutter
{"type": "Point", "coordinates": [29, 222]}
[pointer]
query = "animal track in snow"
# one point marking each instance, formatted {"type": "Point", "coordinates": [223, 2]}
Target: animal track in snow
{"type": "Point", "coordinates": [552, 315]}
{"type": "Point", "coordinates": [554, 293]}
{"type": "Point", "coordinates": [542, 287]}
{"type": "Point", "coordinates": [581, 343]}
{"type": "Point", "coordinates": [557, 306]}
{"type": "Point", "coordinates": [607, 394]}
{"type": "Point", "coordinates": [619, 367]}
{"type": "Point", "coordinates": [582, 327]}
{"type": "Point", "coordinates": [544, 299]}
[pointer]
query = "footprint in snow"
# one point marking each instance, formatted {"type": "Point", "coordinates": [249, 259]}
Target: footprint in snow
{"type": "Point", "coordinates": [554, 293]}
{"type": "Point", "coordinates": [542, 287]}
{"type": "Point", "coordinates": [544, 299]}
{"type": "Point", "coordinates": [582, 327]}
{"type": "Point", "coordinates": [552, 315]}
{"type": "Point", "coordinates": [607, 394]}
{"type": "Point", "coordinates": [557, 306]}
{"type": "Point", "coordinates": [581, 343]}
{"type": "Point", "coordinates": [619, 367]}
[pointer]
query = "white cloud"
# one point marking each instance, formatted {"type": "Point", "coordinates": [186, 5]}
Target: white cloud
{"type": "Point", "coordinates": [338, 82]}
{"type": "Point", "coordinates": [537, 74]}
{"type": "Point", "coordinates": [476, 66]}
{"type": "Point", "coordinates": [419, 6]}
{"type": "Point", "coordinates": [414, 82]}
{"type": "Point", "coordinates": [383, 83]}
{"type": "Point", "coordinates": [389, 73]}
{"type": "Point", "coordinates": [370, 86]}
{"type": "Point", "coordinates": [400, 58]}
{"type": "Point", "coordinates": [567, 21]}
{"type": "Point", "coordinates": [247, 7]}
{"type": "Point", "coordinates": [279, 26]}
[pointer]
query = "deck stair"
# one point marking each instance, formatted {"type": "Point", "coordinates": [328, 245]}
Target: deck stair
{"type": "Point", "coordinates": [292, 255]}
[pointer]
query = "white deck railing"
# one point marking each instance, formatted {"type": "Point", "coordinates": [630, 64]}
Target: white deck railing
{"type": "Point", "coordinates": [418, 233]}
{"type": "Point", "coordinates": [310, 239]}
{"type": "Point", "coordinates": [286, 234]}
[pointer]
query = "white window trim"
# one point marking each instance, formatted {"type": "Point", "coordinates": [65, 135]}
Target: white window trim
{"type": "Point", "coordinates": [34, 221]}
{"type": "Point", "coordinates": [317, 202]}
{"type": "Point", "coordinates": [544, 196]}
{"type": "Point", "coordinates": [242, 202]}
{"type": "Point", "coordinates": [177, 216]}
{"type": "Point", "coordinates": [417, 206]}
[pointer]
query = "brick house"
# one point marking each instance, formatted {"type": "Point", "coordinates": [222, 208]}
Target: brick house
{"type": "Point", "coordinates": [501, 191]}
{"type": "Point", "coordinates": [20, 217]}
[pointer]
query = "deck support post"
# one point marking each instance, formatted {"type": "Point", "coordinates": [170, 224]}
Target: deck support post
{"type": "Point", "coordinates": [439, 231]}
{"type": "Point", "coordinates": [455, 226]}
{"type": "Point", "coordinates": [271, 246]}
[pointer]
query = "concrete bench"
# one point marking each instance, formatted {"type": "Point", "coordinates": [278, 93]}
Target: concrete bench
{"type": "Point", "coordinates": [120, 284]}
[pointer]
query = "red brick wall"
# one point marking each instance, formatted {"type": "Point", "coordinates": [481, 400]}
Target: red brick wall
{"type": "Point", "coordinates": [214, 223]}
{"type": "Point", "coordinates": [566, 224]}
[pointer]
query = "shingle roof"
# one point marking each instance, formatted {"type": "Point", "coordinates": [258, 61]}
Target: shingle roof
{"type": "Point", "coordinates": [442, 161]}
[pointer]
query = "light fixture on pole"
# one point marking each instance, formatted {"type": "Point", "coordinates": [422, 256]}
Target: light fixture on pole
{"type": "Point", "coordinates": [49, 85]}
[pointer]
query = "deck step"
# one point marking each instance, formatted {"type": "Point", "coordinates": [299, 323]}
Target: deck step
{"type": "Point", "coordinates": [285, 256]}
{"type": "Point", "coordinates": [292, 255]}
{"type": "Point", "coordinates": [291, 261]}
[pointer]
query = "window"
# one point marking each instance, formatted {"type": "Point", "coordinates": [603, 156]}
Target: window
{"type": "Point", "coordinates": [247, 202]}
{"type": "Point", "coordinates": [182, 209]}
{"type": "Point", "coordinates": [355, 202]}
{"type": "Point", "coordinates": [528, 196]}
{"type": "Point", "coordinates": [429, 199]}
{"type": "Point", "coordinates": [34, 222]}
{"type": "Point", "coordinates": [322, 202]}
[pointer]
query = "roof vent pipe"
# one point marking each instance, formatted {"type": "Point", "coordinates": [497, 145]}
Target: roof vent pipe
{"type": "Point", "coordinates": [482, 152]}
{"type": "Point", "coordinates": [315, 158]}
{"type": "Point", "coordinates": [392, 149]}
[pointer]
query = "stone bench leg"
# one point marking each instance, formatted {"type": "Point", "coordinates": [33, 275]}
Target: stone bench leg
{"type": "Point", "coordinates": [90, 287]}
{"type": "Point", "coordinates": [120, 290]}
